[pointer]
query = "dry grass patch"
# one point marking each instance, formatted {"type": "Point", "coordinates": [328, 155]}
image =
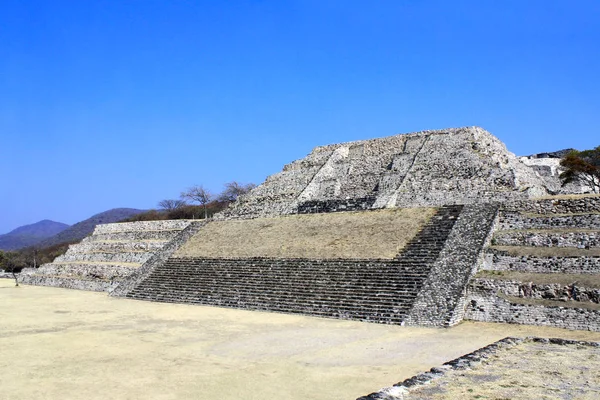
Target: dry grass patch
{"type": "Point", "coordinates": [365, 234]}
{"type": "Point", "coordinates": [587, 280]}
{"type": "Point", "coordinates": [524, 251]}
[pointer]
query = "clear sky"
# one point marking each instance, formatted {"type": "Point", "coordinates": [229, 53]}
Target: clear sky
{"type": "Point", "coordinates": [124, 103]}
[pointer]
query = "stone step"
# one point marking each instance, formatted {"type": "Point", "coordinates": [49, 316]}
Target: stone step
{"type": "Point", "coordinates": [140, 226]}
{"type": "Point", "coordinates": [133, 236]}
{"type": "Point", "coordinates": [499, 260]}
{"type": "Point", "coordinates": [123, 257]}
{"type": "Point", "coordinates": [582, 240]}
{"type": "Point", "coordinates": [68, 282]}
{"type": "Point", "coordinates": [106, 271]}
{"type": "Point", "coordinates": [314, 307]}
{"type": "Point", "coordinates": [116, 246]}
{"type": "Point", "coordinates": [514, 220]}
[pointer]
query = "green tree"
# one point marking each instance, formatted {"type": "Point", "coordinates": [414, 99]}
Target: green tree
{"type": "Point", "coordinates": [582, 167]}
{"type": "Point", "coordinates": [8, 264]}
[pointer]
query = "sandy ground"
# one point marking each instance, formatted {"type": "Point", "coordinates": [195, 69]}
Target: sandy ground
{"type": "Point", "coordinates": [67, 344]}
{"type": "Point", "coordinates": [360, 234]}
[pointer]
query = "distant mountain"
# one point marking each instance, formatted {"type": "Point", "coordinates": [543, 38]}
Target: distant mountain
{"type": "Point", "coordinates": [82, 229]}
{"type": "Point", "coordinates": [29, 235]}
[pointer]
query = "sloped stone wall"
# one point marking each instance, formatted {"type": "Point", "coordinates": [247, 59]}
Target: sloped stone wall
{"type": "Point", "coordinates": [429, 168]}
{"type": "Point", "coordinates": [441, 300]}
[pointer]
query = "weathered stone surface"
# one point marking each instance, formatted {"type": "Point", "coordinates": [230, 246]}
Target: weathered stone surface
{"type": "Point", "coordinates": [513, 220]}
{"type": "Point", "coordinates": [580, 240]}
{"type": "Point", "coordinates": [452, 166]}
{"type": "Point", "coordinates": [560, 205]}
{"type": "Point", "coordinates": [441, 299]}
{"type": "Point", "coordinates": [549, 169]}
{"type": "Point", "coordinates": [498, 260]}
{"type": "Point", "coordinates": [102, 260]}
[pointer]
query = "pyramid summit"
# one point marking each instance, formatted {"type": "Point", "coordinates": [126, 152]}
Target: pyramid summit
{"type": "Point", "coordinates": [428, 168]}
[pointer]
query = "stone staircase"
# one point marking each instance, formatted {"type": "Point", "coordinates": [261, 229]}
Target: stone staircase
{"type": "Point", "coordinates": [543, 267]}
{"type": "Point", "coordinates": [377, 290]}
{"type": "Point", "coordinates": [102, 260]}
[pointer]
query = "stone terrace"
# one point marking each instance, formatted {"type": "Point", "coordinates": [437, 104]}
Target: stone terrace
{"type": "Point", "coordinates": [544, 264]}
{"type": "Point", "coordinates": [102, 260]}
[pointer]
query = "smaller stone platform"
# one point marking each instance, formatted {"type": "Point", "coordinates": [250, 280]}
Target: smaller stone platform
{"type": "Point", "coordinates": [102, 260]}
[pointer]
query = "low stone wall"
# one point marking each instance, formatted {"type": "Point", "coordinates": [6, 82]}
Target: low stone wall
{"type": "Point", "coordinates": [400, 391]}
{"type": "Point", "coordinates": [142, 226]}
{"type": "Point", "coordinates": [441, 300]}
{"type": "Point", "coordinates": [574, 205]}
{"type": "Point", "coordinates": [93, 285]}
{"type": "Point", "coordinates": [580, 240]}
{"type": "Point", "coordinates": [497, 260]}
{"type": "Point", "coordinates": [485, 305]}
{"type": "Point", "coordinates": [335, 205]}
{"type": "Point", "coordinates": [571, 294]}
{"type": "Point", "coordinates": [434, 378]}
{"type": "Point", "coordinates": [513, 220]}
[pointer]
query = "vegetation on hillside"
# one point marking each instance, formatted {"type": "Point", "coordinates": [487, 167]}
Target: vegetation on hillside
{"type": "Point", "coordinates": [207, 203]}
{"type": "Point", "coordinates": [49, 249]}
{"type": "Point", "coordinates": [582, 167]}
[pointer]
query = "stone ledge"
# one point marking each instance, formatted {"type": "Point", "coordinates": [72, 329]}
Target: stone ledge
{"type": "Point", "coordinates": [401, 390]}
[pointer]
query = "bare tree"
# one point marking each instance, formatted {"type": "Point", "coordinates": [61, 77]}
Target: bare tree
{"type": "Point", "coordinates": [234, 189]}
{"type": "Point", "coordinates": [198, 194]}
{"type": "Point", "coordinates": [170, 204]}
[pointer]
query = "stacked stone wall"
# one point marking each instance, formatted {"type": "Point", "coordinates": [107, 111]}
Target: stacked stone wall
{"type": "Point", "coordinates": [112, 253]}
{"type": "Point", "coordinates": [561, 239]}
{"type": "Point", "coordinates": [498, 260]}
{"type": "Point", "coordinates": [572, 205]}
{"type": "Point", "coordinates": [485, 305]}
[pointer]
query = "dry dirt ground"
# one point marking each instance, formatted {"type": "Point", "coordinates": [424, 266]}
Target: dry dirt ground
{"type": "Point", "coordinates": [359, 234]}
{"type": "Point", "coordinates": [68, 344]}
{"type": "Point", "coordinates": [531, 370]}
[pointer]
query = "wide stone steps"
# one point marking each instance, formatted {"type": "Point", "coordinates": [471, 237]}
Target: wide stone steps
{"type": "Point", "coordinates": [381, 290]}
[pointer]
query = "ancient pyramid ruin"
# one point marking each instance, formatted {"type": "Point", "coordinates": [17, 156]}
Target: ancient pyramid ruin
{"type": "Point", "coordinates": [426, 228]}
{"type": "Point", "coordinates": [429, 168]}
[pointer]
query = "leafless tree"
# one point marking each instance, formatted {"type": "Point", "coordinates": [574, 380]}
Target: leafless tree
{"type": "Point", "coordinates": [198, 194]}
{"type": "Point", "coordinates": [171, 204]}
{"type": "Point", "coordinates": [234, 189]}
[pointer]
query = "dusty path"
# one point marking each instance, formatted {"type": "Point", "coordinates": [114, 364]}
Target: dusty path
{"type": "Point", "coordinates": [67, 344]}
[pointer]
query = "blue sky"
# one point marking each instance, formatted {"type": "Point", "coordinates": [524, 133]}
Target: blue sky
{"type": "Point", "coordinates": [124, 103]}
